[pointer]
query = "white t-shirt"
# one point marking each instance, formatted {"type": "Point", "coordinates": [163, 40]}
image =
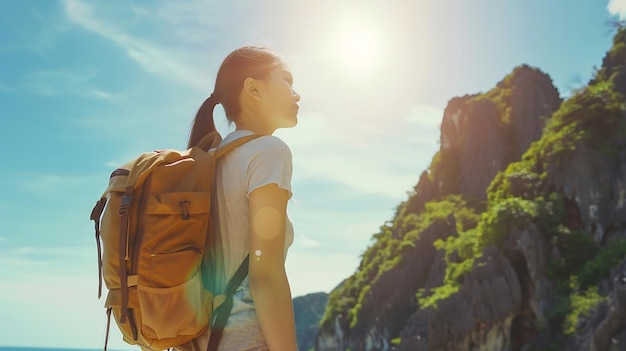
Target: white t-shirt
{"type": "Point", "coordinates": [261, 161]}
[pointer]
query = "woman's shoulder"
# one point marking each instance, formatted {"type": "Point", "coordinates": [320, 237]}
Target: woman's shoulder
{"type": "Point", "coordinates": [271, 142]}
{"type": "Point", "coordinates": [265, 143]}
{"type": "Point", "coordinates": [268, 148]}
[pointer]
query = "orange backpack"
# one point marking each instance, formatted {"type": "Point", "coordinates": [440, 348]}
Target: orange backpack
{"type": "Point", "coordinates": [155, 222]}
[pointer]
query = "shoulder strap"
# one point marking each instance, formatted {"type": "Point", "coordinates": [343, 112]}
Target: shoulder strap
{"type": "Point", "coordinates": [221, 151]}
{"type": "Point", "coordinates": [239, 276]}
{"type": "Point", "coordinates": [222, 312]}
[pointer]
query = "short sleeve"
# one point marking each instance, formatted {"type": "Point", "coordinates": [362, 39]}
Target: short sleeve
{"type": "Point", "coordinates": [270, 163]}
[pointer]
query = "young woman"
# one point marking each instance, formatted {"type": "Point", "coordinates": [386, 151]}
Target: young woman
{"type": "Point", "coordinates": [253, 185]}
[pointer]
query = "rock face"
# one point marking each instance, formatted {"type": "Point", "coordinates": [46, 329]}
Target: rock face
{"type": "Point", "coordinates": [478, 317]}
{"type": "Point", "coordinates": [476, 135]}
{"type": "Point", "coordinates": [596, 182]}
{"type": "Point", "coordinates": [486, 137]}
{"type": "Point", "coordinates": [555, 174]}
{"type": "Point", "coordinates": [482, 134]}
{"type": "Point", "coordinates": [605, 327]}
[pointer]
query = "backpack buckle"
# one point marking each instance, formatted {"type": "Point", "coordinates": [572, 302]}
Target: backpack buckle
{"type": "Point", "coordinates": [184, 206]}
{"type": "Point", "coordinates": [126, 200]}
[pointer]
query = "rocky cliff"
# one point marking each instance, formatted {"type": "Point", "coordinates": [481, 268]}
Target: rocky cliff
{"type": "Point", "coordinates": [513, 238]}
{"type": "Point", "coordinates": [481, 134]}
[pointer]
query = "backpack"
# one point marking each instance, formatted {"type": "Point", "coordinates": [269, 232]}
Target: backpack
{"type": "Point", "coordinates": [155, 224]}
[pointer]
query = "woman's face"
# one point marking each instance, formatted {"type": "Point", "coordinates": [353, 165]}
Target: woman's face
{"type": "Point", "coordinates": [280, 101]}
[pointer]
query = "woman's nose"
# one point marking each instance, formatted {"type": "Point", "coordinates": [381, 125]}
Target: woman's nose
{"type": "Point", "coordinates": [296, 96]}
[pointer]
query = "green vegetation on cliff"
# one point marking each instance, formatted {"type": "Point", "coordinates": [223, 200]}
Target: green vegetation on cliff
{"type": "Point", "coordinates": [593, 117]}
{"type": "Point", "coordinates": [387, 252]}
{"type": "Point", "coordinates": [592, 120]}
{"type": "Point", "coordinates": [397, 237]}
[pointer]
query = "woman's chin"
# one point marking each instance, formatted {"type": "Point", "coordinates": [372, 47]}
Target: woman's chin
{"type": "Point", "coordinates": [290, 123]}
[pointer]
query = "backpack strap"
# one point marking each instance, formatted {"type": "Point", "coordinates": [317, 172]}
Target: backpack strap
{"type": "Point", "coordinates": [213, 140]}
{"type": "Point", "coordinates": [106, 338]}
{"type": "Point", "coordinates": [223, 150]}
{"type": "Point", "coordinates": [123, 250]}
{"type": "Point", "coordinates": [222, 312]}
{"type": "Point", "coordinates": [95, 216]}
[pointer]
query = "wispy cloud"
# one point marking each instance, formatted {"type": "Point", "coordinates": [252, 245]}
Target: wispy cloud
{"type": "Point", "coordinates": [102, 94]}
{"type": "Point", "coordinates": [306, 241]}
{"type": "Point", "coordinates": [195, 22]}
{"type": "Point", "coordinates": [50, 183]}
{"type": "Point", "coordinates": [51, 259]}
{"type": "Point", "coordinates": [7, 89]}
{"type": "Point", "coordinates": [37, 252]}
{"type": "Point", "coordinates": [68, 81]}
{"type": "Point", "coordinates": [364, 160]}
{"type": "Point", "coordinates": [617, 7]}
{"type": "Point", "coordinates": [39, 34]}
{"type": "Point", "coordinates": [151, 57]}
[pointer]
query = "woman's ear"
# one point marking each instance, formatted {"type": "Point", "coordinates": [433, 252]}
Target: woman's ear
{"type": "Point", "coordinates": [251, 88]}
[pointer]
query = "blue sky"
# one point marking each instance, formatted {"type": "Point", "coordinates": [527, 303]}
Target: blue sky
{"type": "Point", "coordinates": [87, 85]}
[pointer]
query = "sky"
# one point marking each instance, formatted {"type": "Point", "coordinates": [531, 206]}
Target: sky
{"type": "Point", "coordinates": [87, 85]}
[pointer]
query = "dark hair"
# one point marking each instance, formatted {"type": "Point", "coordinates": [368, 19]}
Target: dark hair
{"type": "Point", "coordinates": [248, 61]}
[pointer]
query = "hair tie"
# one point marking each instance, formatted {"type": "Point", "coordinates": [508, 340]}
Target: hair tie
{"type": "Point", "coordinates": [213, 99]}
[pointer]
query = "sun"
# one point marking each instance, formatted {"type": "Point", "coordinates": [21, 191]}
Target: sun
{"type": "Point", "coordinates": [357, 48]}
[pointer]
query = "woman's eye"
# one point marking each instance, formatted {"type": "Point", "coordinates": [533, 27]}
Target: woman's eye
{"type": "Point", "coordinates": [289, 79]}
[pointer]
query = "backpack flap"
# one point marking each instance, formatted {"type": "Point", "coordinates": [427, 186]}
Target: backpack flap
{"type": "Point", "coordinates": [139, 168]}
{"type": "Point", "coordinates": [136, 171]}
{"type": "Point", "coordinates": [117, 182]}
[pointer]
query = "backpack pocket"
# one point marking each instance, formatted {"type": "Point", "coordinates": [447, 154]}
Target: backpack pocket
{"type": "Point", "coordinates": [171, 312]}
{"type": "Point", "coordinates": [173, 238]}
{"type": "Point", "coordinates": [171, 269]}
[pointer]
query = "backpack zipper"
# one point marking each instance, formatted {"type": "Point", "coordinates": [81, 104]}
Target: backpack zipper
{"type": "Point", "coordinates": [188, 248]}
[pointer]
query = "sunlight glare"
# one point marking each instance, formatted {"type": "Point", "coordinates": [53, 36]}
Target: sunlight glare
{"type": "Point", "coordinates": [357, 48]}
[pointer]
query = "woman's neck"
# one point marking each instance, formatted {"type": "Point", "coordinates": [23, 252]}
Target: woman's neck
{"type": "Point", "coordinates": [252, 123]}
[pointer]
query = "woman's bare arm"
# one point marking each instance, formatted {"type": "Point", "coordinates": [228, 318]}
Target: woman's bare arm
{"type": "Point", "coordinates": [268, 280]}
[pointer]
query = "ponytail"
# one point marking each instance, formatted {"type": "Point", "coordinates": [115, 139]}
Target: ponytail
{"type": "Point", "coordinates": [203, 124]}
{"type": "Point", "coordinates": [247, 61]}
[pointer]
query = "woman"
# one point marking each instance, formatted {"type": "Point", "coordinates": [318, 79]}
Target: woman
{"type": "Point", "coordinates": [253, 185]}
